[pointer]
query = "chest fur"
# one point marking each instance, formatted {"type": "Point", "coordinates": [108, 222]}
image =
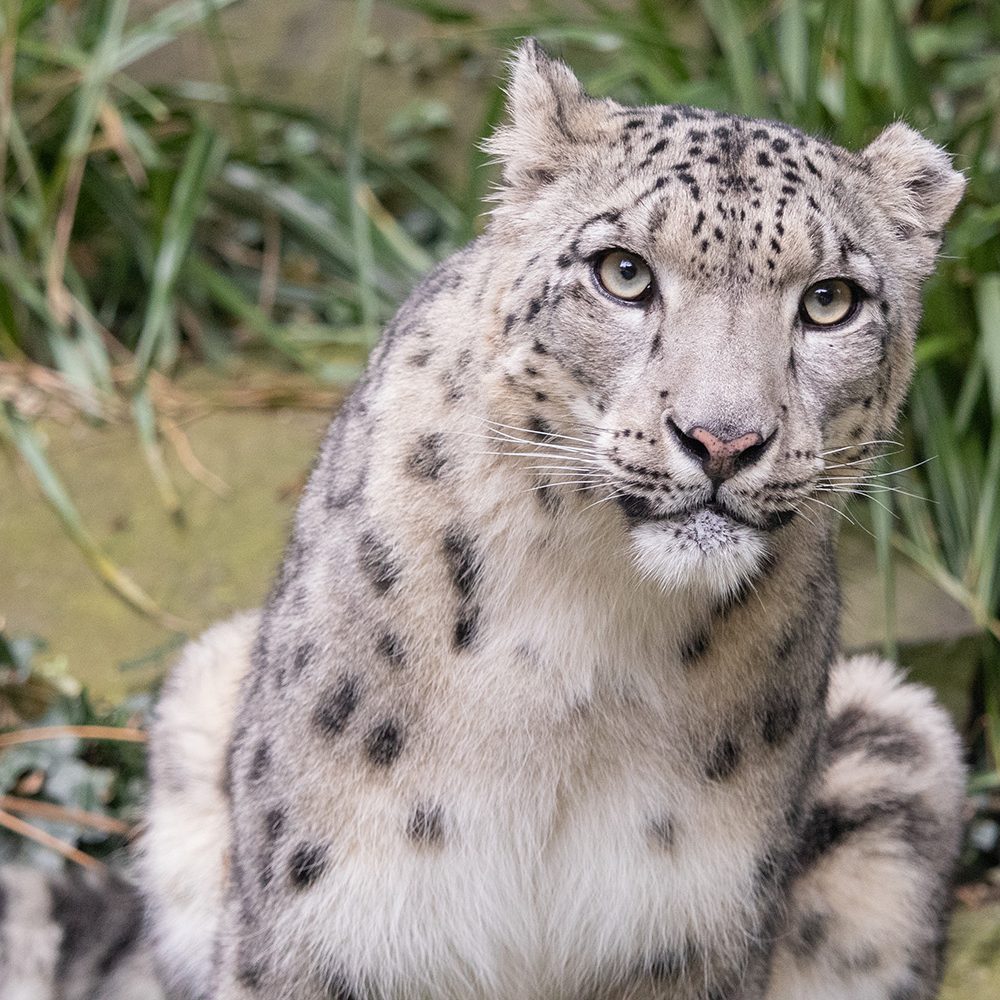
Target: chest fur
{"type": "Point", "coordinates": [536, 845]}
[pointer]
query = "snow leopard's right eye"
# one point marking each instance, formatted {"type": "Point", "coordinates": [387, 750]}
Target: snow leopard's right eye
{"type": "Point", "coordinates": [623, 275]}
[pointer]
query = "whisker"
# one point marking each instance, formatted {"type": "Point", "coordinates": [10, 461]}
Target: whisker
{"type": "Point", "coordinates": [563, 466]}
{"type": "Point", "coordinates": [509, 439]}
{"type": "Point", "coordinates": [860, 444]}
{"type": "Point", "coordinates": [613, 496]}
{"type": "Point", "coordinates": [528, 430]}
{"type": "Point", "coordinates": [872, 492]}
{"type": "Point", "coordinates": [799, 511]}
{"type": "Point", "coordinates": [536, 441]}
{"type": "Point", "coordinates": [525, 454]}
{"type": "Point", "coordinates": [572, 482]}
{"type": "Point", "coordinates": [855, 485]}
{"type": "Point", "coordinates": [896, 472]}
{"type": "Point", "coordinates": [836, 510]}
{"type": "Point", "coordinates": [756, 593]}
{"type": "Point", "coordinates": [844, 514]}
{"type": "Point", "coordinates": [863, 461]}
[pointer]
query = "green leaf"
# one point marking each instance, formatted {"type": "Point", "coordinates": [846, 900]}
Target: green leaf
{"type": "Point", "coordinates": [204, 159]}
{"type": "Point", "coordinates": [987, 297]}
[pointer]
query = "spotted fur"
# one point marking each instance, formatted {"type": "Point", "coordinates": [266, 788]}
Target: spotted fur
{"type": "Point", "coordinates": [538, 709]}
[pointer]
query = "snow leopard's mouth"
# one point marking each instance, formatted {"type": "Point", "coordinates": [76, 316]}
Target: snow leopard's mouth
{"type": "Point", "coordinates": [707, 519]}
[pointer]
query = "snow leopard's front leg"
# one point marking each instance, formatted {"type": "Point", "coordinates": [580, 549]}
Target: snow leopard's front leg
{"type": "Point", "coordinates": [867, 910]}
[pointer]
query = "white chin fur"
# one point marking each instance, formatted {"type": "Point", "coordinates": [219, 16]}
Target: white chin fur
{"type": "Point", "coordinates": [703, 553]}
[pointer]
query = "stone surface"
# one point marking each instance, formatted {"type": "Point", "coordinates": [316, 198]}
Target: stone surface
{"type": "Point", "coordinates": [219, 561]}
{"type": "Point", "coordinates": [973, 971]}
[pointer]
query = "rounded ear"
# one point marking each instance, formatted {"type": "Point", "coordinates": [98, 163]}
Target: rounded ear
{"type": "Point", "coordinates": [546, 117]}
{"type": "Point", "coordinates": [920, 187]}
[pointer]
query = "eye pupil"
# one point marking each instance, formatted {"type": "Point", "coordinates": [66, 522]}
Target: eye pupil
{"type": "Point", "coordinates": [830, 302]}
{"type": "Point", "coordinates": [623, 275]}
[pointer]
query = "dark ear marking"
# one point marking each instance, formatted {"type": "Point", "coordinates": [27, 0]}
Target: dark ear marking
{"type": "Point", "coordinates": [854, 729]}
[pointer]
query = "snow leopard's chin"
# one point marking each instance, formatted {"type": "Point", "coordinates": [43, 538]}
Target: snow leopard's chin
{"type": "Point", "coordinates": [703, 552]}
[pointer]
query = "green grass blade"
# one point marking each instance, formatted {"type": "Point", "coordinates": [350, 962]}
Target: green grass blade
{"type": "Point", "coordinates": [360, 228]}
{"type": "Point", "coordinates": [882, 527]}
{"type": "Point", "coordinates": [204, 158]}
{"type": "Point", "coordinates": [987, 298]}
{"type": "Point", "coordinates": [731, 30]}
{"type": "Point", "coordinates": [163, 27]}
{"type": "Point", "coordinates": [149, 438]}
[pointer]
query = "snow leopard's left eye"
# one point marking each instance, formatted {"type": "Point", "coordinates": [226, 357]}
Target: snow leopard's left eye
{"type": "Point", "coordinates": [829, 302]}
{"type": "Point", "coordinates": [623, 275]}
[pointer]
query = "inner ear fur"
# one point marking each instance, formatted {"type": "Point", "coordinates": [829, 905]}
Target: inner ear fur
{"type": "Point", "coordinates": [548, 118]}
{"type": "Point", "coordinates": [920, 187]}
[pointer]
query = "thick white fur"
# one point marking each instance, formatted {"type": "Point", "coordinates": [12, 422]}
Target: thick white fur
{"type": "Point", "coordinates": [37, 962]}
{"type": "Point", "coordinates": [870, 891]}
{"type": "Point", "coordinates": [182, 858]}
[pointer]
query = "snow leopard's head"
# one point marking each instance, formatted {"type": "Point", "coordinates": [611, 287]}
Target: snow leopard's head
{"type": "Point", "coordinates": [718, 313]}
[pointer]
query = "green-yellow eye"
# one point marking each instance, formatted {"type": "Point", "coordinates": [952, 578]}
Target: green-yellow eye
{"type": "Point", "coordinates": [624, 275]}
{"type": "Point", "coordinates": [828, 302]}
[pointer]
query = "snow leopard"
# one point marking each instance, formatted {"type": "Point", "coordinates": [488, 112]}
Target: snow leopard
{"type": "Point", "coordinates": [547, 700]}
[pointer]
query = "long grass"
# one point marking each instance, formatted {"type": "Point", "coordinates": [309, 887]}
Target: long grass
{"type": "Point", "coordinates": [137, 224]}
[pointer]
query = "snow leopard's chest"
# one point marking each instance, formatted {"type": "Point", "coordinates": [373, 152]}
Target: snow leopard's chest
{"type": "Point", "coordinates": [581, 850]}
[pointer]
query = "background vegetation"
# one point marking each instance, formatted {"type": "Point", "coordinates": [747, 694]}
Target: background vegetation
{"type": "Point", "coordinates": [149, 228]}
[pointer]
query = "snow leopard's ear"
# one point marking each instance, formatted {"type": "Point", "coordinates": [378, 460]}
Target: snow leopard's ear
{"type": "Point", "coordinates": [918, 186]}
{"type": "Point", "coordinates": [548, 115]}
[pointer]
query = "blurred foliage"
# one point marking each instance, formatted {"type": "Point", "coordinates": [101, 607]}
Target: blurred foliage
{"type": "Point", "coordinates": [86, 793]}
{"type": "Point", "coordinates": [143, 225]}
{"type": "Point", "coordinates": [140, 223]}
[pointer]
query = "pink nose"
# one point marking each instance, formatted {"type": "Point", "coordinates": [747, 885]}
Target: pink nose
{"type": "Point", "coordinates": [721, 458]}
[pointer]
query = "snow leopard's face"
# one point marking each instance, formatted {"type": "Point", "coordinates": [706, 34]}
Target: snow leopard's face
{"type": "Point", "coordinates": [718, 313]}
